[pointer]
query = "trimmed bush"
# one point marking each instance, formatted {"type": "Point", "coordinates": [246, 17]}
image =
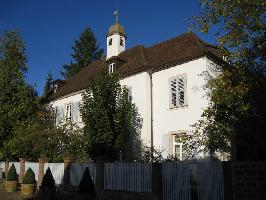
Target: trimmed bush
{"type": "Point", "coordinates": [12, 174]}
{"type": "Point", "coordinates": [29, 177]}
{"type": "Point", "coordinates": [48, 179]}
{"type": "Point", "coordinates": [86, 184]}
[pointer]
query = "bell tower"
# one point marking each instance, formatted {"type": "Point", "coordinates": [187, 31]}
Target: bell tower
{"type": "Point", "coordinates": [116, 38]}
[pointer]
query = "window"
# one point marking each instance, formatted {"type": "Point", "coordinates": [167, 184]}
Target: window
{"type": "Point", "coordinates": [110, 42]}
{"type": "Point", "coordinates": [178, 91]}
{"type": "Point", "coordinates": [111, 68]}
{"type": "Point", "coordinates": [129, 93]}
{"type": "Point", "coordinates": [55, 88]}
{"type": "Point", "coordinates": [121, 42]}
{"type": "Point", "coordinates": [178, 147]}
{"type": "Point", "coordinates": [68, 112]}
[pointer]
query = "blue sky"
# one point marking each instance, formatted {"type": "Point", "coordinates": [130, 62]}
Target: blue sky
{"type": "Point", "coordinates": [49, 27]}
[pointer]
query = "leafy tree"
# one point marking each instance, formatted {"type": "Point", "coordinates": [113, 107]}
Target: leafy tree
{"type": "Point", "coordinates": [85, 51]}
{"type": "Point", "coordinates": [236, 119]}
{"type": "Point", "coordinates": [48, 84]}
{"type": "Point", "coordinates": [107, 114]}
{"type": "Point", "coordinates": [18, 100]}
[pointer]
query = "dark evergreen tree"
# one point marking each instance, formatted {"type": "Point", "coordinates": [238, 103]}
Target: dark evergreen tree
{"type": "Point", "coordinates": [85, 51]}
{"type": "Point", "coordinates": [48, 84]}
{"type": "Point", "coordinates": [86, 184]}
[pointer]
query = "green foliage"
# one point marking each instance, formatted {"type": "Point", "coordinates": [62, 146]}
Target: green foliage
{"type": "Point", "coordinates": [29, 177]}
{"type": "Point", "coordinates": [237, 115]}
{"type": "Point", "coordinates": [48, 84]}
{"type": "Point", "coordinates": [48, 179]}
{"type": "Point", "coordinates": [86, 184]}
{"type": "Point", "coordinates": [12, 174]}
{"type": "Point", "coordinates": [85, 51]}
{"type": "Point", "coordinates": [108, 116]}
{"type": "Point", "coordinates": [18, 101]}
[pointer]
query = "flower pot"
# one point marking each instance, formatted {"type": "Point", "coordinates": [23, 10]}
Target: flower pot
{"type": "Point", "coordinates": [27, 189]}
{"type": "Point", "coordinates": [11, 186]}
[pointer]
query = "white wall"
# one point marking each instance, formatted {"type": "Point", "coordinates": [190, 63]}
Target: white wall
{"type": "Point", "coordinates": [166, 120]}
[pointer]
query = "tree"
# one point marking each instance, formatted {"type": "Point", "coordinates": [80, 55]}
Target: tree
{"type": "Point", "coordinates": [48, 84]}
{"type": "Point", "coordinates": [236, 119]}
{"type": "Point", "coordinates": [18, 100]}
{"type": "Point", "coordinates": [85, 51]}
{"type": "Point", "coordinates": [108, 116]}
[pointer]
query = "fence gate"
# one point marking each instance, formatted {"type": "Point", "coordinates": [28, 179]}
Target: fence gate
{"type": "Point", "coordinates": [176, 181]}
{"type": "Point", "coordinates": [210, 181]}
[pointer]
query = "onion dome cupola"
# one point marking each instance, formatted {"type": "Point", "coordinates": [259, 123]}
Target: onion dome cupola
{"type": "Point", "coordinates": [116, 38]}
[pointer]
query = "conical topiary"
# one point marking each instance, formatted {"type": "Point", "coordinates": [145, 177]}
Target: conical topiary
{"type": "Point", "coordinates": [48, 179]}
{"type": "Point", "coordinates": [86, 184]}
{"type": "Point", "coordinates": [12, 174]}
{"type": "Point", "coordinates": [29, 177]}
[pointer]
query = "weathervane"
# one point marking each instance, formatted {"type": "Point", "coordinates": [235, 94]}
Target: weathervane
{"type": "Point", "coordinates": [116, 13]}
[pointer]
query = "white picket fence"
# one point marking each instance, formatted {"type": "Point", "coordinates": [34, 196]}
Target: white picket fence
{"type": "Point", "coordinates": [132, 177]}
{"type": "Point", "coordinates": [176, 181]}
{"type": "Point", "coordinates": [35, 168]}
{"type": "Point", "coordinates": [57, 170]}
{"type": "Point", "coordinates": [210, 181]}
{"type": "Point", "coordinates": [77, 170]}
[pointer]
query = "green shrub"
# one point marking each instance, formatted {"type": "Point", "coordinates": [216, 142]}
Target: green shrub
{"type": "Point", "coordinates": [29, 177]}
{"type": "Point", "coordinates": [86, 184]}
{"type": "Point", "coordinates": [48, 179]}
{"type": "Point", "coordinates": [12, 174]}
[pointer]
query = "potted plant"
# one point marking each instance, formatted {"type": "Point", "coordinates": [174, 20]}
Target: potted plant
{"type": "Point", "coordinates": [48, 189]}
{"type": "Point", "coordinates": [28, 183]}
{"type": "Point", "coordinates": [11, 182]}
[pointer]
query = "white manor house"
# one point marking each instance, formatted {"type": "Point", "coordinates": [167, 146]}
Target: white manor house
{"type": "Point", "coordinates": [165, 83]}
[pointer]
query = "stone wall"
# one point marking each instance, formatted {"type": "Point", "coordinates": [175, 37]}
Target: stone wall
{"type": "Point", "coordinates": [249, 180]}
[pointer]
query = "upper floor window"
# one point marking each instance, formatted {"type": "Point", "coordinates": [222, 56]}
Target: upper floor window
{"type": "Point", "coordinates": [110, 42]}
{"type": "Point", "coordinates": [111, 68]}
{"type": "Point", "coordinates": [178, 91]}
{"type": "Point", "coordinates": [129, 90]}
{"type": "Point", "coordinates": [121, 42]}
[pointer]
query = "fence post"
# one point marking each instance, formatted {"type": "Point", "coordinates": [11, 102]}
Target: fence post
{"type": "Point", "coordinates": [6, 167]}
{"type": "Point", "coordinates": [99, 182]}
{"type": "Point", "coordinates": [157, 181]}
{"type": "Point", "coordinates": [227, 178]}
{"type": "Point", "coordinates": [67, 165]}
{"type": "Point", "coordinates": [22, 169]}
{"type": "Point", "coordinates": [42, 161]}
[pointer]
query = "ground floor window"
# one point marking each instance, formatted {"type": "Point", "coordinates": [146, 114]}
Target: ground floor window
{"type": "Point", "coordinates": [178, 146]}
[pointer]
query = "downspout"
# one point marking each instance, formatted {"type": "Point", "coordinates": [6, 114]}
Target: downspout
{"type": "Point", "coordinates": [151, 120]}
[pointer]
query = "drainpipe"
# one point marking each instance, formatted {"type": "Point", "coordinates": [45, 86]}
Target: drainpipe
{"type": "Point", "coordinates": [151, 94]}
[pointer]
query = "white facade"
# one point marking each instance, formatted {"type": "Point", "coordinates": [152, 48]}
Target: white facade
{"type": "Point", "coordinates": [166, 121]}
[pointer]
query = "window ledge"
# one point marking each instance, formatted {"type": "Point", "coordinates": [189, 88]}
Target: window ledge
{"type": "Point", "coordinates": [178, 108]}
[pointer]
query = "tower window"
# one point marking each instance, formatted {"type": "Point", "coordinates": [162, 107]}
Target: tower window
{"type": "Point", "coordinates": [111, 68]}
{"type": "Point", "coordinates": [121, 42]}
{"type": "Point", "coordinates": [110, 42]}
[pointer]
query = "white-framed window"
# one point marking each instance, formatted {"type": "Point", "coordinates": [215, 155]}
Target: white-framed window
{"type": "Point", "coordinates": [68, 112]}
{"type": "Point", "coordinates": [110, 42]}
{"type": "Point", "coordinates": [178, 147]}
{"type": "Point", "coordinates": [111, 68]}
{"type": "Point", "coordinates": [178, 91]}
{"type": "Point", "coordinates": [121, 42]}
{"type": "Point", "coordinates": [129, 90]}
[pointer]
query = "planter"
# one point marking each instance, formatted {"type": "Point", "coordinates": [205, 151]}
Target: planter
{"type": "Point", "coordinates": [11, 186]}
{"type": "Point", "coordinates": [27, 189]}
